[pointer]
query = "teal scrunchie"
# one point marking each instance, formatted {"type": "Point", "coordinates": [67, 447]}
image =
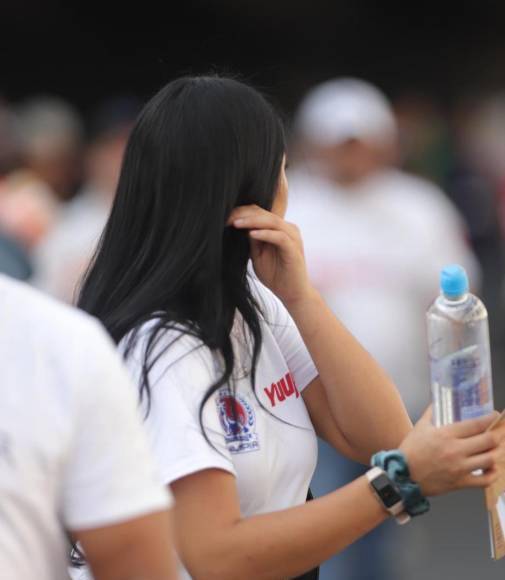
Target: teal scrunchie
{"type": "Point", "coordinates": [395, 465]}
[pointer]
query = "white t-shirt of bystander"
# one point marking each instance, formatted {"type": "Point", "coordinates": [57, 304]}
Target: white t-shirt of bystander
{"type": "Point", "coordinates": [61, 259]}
{"type": "Point", "coordinates": [73, 454]}
{"type": "Point", "coordinates": [256, 447]}
{"type": "Point", "coordinates": [375, 252]}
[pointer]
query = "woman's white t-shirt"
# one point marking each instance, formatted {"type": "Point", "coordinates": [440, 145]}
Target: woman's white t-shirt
{"type": "Point", "coordinates": [271, 449]}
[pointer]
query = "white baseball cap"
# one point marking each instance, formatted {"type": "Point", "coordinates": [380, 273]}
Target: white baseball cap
{"type": "Point", "coordinates": [343, 109]}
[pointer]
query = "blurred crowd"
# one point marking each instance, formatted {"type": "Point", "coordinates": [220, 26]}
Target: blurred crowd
{"type": "Point", "coordinates": [385, 194]}
{"type": "Point", "coordinates": [58, 171]}
{"type": "Point", "coordinates": [462, 150]}
{"type": "Point", "coordinates": [58, 174]}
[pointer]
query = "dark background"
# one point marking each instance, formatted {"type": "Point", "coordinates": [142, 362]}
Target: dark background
{"type": "Point", "coordinates": [84, 51]}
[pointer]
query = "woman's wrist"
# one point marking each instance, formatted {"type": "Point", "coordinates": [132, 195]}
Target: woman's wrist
{"type": "Point", "coordinates": [394, 464]}
{"type": "Point", "coordinates": [298, 303]}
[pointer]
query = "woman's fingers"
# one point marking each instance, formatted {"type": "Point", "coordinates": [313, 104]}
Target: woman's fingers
{"type": "Point", "coordinates": [444, 458]}
{"type": "Point", "coordinates": [259, 221]}
{"type": "Point", "coordinates": [484, 480]}
{"type": "Point", "coordinates": [274, 237]}
{"type": "Point", "coordinates": [251, 213]}
{"type": "Point", "coordinates": [470, 427]}
{"type": "Point", "coordinates": [479, 443]}
{"type": "Point", "coordinates": [485, 461]}
{"type": "Point", "coordinates": [256, 218]}
{"type": "Point", "coordinates": [243, 211]}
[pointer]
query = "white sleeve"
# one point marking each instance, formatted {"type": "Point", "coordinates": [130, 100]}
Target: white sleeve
{"type": "Point", "coordinates": [110, 474]}
{"type": "Point", "coordinates": [178, 385]}
{"type": "Point", "coordinates": [287, 335]}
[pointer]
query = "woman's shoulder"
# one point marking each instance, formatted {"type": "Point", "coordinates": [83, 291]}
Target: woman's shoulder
{"type": "Point", "coordinates": [167, 348]}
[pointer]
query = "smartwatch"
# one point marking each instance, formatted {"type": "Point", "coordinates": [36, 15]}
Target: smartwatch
{"type": "Point", "coordinates": [388, 495]}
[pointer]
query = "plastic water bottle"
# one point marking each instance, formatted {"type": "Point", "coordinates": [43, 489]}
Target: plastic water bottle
{"type": "Point", "coordinates": [460, 357]}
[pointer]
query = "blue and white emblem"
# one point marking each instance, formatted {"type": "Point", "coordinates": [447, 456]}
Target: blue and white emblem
{"type": "Point", "coordinates": [239, 427]}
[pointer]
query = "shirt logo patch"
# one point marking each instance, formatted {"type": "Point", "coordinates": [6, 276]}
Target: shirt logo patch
{"type": "Point", "coordinates": [281, 389]}
{"type": "Point", "coordinates": [240, 432]}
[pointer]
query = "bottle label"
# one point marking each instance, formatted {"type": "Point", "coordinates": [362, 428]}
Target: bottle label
{"type": "Point", "coordinates": [463, 382]}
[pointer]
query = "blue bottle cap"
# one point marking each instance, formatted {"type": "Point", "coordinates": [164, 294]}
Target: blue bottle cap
{"type": "Point", "coordinates": [453, 281]}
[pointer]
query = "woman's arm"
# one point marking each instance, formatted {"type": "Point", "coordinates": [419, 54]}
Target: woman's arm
{"type": "Point", "coordinates": [351, 389]}
{"type": "Point", "coordinates": [216, 543]}
{"type": "Point", "coordinates": [353, 404]}
{"type": "Point", "coordinates": [326, 426]}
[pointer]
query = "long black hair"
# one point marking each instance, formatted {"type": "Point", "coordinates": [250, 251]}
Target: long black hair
{"type": "Point", "coordinates": [199, 148]}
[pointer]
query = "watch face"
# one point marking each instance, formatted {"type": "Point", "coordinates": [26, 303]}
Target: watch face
{"type": "Point", "coordinates": [386, 491]}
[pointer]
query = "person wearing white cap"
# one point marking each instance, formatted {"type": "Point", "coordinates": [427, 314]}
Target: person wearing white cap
{"type": "Point", "coordinates": [344, 109]}
{"type": "Point", "coordinates": [375, 239]}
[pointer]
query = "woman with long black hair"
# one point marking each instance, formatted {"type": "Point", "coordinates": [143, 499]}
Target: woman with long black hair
{"type": "Point", "coordinates": [240, 366]}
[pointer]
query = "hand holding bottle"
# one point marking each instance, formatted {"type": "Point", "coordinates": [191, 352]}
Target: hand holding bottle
{"type": "Point", "coordinates": [443, 459]}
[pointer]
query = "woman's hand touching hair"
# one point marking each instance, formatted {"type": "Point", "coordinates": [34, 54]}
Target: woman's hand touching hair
{"type": "Point", "coordinates": [276, 252]}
